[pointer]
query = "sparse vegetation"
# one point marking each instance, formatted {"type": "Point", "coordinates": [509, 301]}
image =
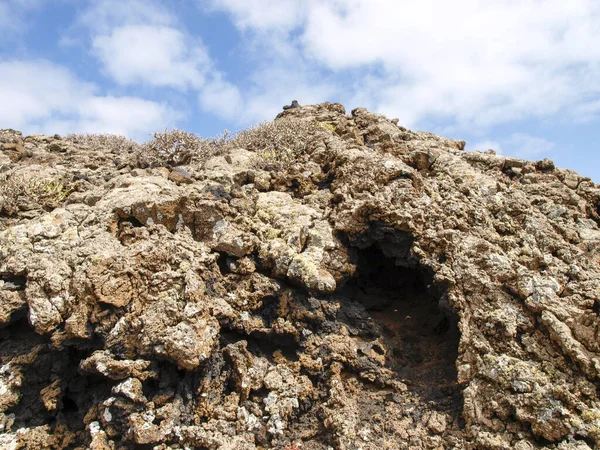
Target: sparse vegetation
{"type": "Point", "coordinates": [112, 143]}
{"type": "Point", "coordinates": [47, 192]}
{"type": "Point", "coordinates": [173, 148]}
{"type": "Point", "coordinates": [276, 143]}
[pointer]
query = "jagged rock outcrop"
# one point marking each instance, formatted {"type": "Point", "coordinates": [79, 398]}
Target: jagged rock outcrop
{"type": "Point", "coordinates": [379, 288]}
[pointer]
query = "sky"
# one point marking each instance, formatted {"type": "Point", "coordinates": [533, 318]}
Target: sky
{"type": "Point", "coordinates": [521, 77]}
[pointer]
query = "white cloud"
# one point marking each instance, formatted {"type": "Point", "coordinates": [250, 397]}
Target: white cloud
{"type": "Point", "coordinates": [264, 15]}
{"type": "Point", "coordinates": [149, 49]}
{"type": "Point", "coordinates": [528, 147]}
{"type": "Point", "coordinates": [279, 82]}
{"type": "Point", "coordinates": [587, 111]}
{"type": "Point", "coordinates": [130, 116]}
{"type": "Point", "coordinates": [5, 21]}
{"type": "Point", "coordinates": [222, 98]}
{"type": "Point", "coordinates": [467, 62]}
{"type": "Point", "coordinates": [13, 15]}
{"type": "Point", "coordinates": [521, 145]}
{"type": "Point", "coordinates": [103, 16]}
{"type": "Point", "coordinates": [142, 44]}
{"type": "Point", "coordinates": [38, 96]}
{"type": "Point", "coordinates": [488, 144]}
{"type": "Point", "coordinates": [154, 55]}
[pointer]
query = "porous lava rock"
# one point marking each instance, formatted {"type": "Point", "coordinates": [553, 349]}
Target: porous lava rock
{"type": "Point", "coordinates": [384, 289]}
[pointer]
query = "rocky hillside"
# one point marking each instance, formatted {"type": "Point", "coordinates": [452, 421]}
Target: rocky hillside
{"type": "Point", "coordinates": [325, 281]}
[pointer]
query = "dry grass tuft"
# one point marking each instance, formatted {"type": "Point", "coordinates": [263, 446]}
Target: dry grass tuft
{"type": "Point", "coordinates": [278, 143]}
{"type": "Point", "coordinates": [112, 143]}
{"type": "Point", "coordinates": [172, 148]}
{"type": "Point", "coordinates": [47, 192]}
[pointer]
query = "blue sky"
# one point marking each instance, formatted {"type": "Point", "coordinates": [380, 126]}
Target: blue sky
{"type": "Point", "coordinates": [520, 77]}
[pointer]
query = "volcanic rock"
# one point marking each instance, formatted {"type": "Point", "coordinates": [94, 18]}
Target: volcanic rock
{"type": "Point", "coordinates": [374, 287]}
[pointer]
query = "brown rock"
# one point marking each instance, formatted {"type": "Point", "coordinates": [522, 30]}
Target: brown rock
{"type": "Point", "coordinates": [179, 176]}
{"type": "Point", "coordinates": [372, 287]}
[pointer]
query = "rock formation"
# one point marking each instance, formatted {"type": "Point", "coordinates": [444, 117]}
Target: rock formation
{"type": "Point", "coordinates": [374, 288]}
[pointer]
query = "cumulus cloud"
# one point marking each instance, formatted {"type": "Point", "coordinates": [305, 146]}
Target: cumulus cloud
{"type": "Point", "coordinates": [488, 144]}
{"type": "Point", "coordinates": [467, 62]}
{"type": "Point", "coordinates": [521, 145]}
{"type": "Point", "coordinates": [143, 44]}
{"type": "Point", "coordinates": [264, 15]}
{"type": "Point", "coordinates": [154, 55]}
{"type": "Point", "coordinates": [587, 111]}
{"type": "Point", "coordinates": [4, 16]}
{"type": "Point", "coordinates": [103, 16]}
{"type": "Point", "coordinates": [222, 98]}
{"type": "Point", "coordinates": [13, 16]}
{"type": "Point", "coordinates": [528, 147]}
{"type": "Point", "coordinates": [278, 82]}
{"type": "Point", "coordinates": [38, 96]}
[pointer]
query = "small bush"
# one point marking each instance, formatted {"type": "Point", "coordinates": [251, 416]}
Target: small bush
{"type": "Point", "coordinates": [112, 143]}
{"type": "Point", "coordinates": [277, 143]}
{"type": "Point", "coordinates": [172, 148]}
{"type": "Point", "coordinates": [47, 192]}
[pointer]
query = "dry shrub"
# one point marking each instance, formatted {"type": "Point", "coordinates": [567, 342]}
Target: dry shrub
{"type": "Point", "coordinates": [47, 192]}
{"type": "Point", "coordinates": [277, 144]}
{"type": "Point", "coordinates": [112, 143]}
{"type": "Point", "coordinates": [172, 148]}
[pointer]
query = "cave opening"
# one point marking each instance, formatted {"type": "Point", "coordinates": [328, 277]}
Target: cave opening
{"type": "Point", "coordinates": [417, 331]}
{"type": "Point", "coordinates": [51, 390]}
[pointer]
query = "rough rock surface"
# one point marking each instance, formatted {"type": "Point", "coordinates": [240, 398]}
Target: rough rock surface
{"type": "Point", "coordinates": [384, 290]}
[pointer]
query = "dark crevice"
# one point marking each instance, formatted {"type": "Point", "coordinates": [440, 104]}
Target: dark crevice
{"type": "Point", "coordinates": [53, 390]}
{"type": "Point", "coordinates": [170, 380]}
{"type": "Point", "coordinates": [391, 242]}
{"type": "Point", "coordinates": [590, 441]}
{"type": "Point", "coordinates": [268, 344]}
{"type": "Point", "coordinates": [127, 229]}
{"type": "Point", "coordinates": [594, 212]}
{"type": "Point", "coordinates": [269, 311]}
{"type": "Point", "coordinates": [135, 223]}
{"type": "Point", "coordinates": [542, 442]}
{"type": "Point", "coordinates": [327, 181]}
{"type": "Point", "coordinates": [13, 282]}
{"type": "Point", "coordinates": [261, 344]}
{"type": "Point", "coordinates": [17, 315]}
{"type": "Point", "coordinates": [229, 335]}
{"type": "Point", "coordinates": [410, 319]}
{"type": "Point", "coordinates": [296, 188]}
{"type": "Point", "coordinates": [222, 263]}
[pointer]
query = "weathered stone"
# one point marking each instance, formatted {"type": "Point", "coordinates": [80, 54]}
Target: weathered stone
{"type": "Point", "coordinates": [179, 175]}
{"type": "Point", "coordinates": [381, 289]}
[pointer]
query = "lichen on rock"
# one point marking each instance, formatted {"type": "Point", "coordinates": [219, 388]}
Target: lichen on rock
{"type": "Point", "coordinates": [374, 287]}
